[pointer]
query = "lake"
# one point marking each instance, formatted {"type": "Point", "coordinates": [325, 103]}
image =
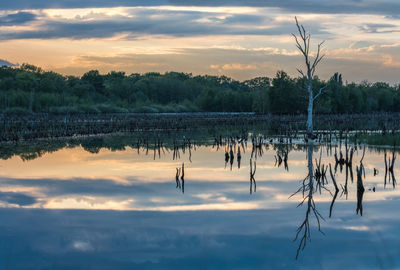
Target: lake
{"type": "Point", "coordinates": [118, 202]}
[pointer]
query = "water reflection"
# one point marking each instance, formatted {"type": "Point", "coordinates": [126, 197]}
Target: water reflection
{"type": "Point", "coordinates": [282, 153]}
{"type": "Point", "coordinates": [252, 173]}
{"type": "Point", "coordinates": [336, 190]}
{"type": "Point", "coordinates": [239, 157]}
{"type": "Point", "coordinates": [136, 174]}
{"type": "Point", "coordinates": [360, 189]}
{"type": "Point", "coordinates": [389, 169]}
{"type": "Point", "coordinates": [307, 190]}
{"type": "Point", "coordinates": [123, 163]}
{"type": "Point", "coordinates": [317, 179]}
{"type": "Point", "coordinates": [180, 178]}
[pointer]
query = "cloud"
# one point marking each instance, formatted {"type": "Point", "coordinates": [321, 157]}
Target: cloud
{"type": "Point", "coordinates": [386, 7]}
{"type": "Point", "coordinates": [233, 66]}
{"type": "Point", "coordinates": [379, 28]}
{"type": "Point", "coordinates": [394, 17]}
{"type": "Point", "coordinates": [239, 64]}
{"type": "Point", "coordinates": [16, 198]}
{"type": "Point", "coordinates": [357, 63]}
{"type": "Point", "coordinates": [379, 56]}
{"type": "Point", "coordinates": [390, 55]}
{"type": "Point", "coordinates": [47, 4]}
{"type": "Point", "coordinates": [82, 193]}
{"type": "Point", "coordinates": [141, 22]}
{"type": "Point", "coordinates": [70, 239]}
{"type": "Point", "coordinates": [17, 18]}
{"type": "Point", "coordinates": [360, 44]}
{"type": "Point", "coordinates": [170, 29]}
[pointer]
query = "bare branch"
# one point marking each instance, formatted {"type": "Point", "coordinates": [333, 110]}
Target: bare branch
{"type": "Point", "coordinates": [362, 158]}
{"type": "Point", "coordinates": [301, 72]}
{"type": "Point", "coordinates": [305, 40]}
{"type": "Point", "coordinates": [298, 45]}
{"type": "Point", "coordinates": [318, 58]}
{"type": "Point", "coordinates": [316, 63]}
{"type": "Point", "coordinates": [320, 92]}
{"type": "Point", "coordinates": [308, 43]}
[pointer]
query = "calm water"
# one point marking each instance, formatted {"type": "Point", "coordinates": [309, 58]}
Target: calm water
{"type": "Point", "coordinates": [125, 209]}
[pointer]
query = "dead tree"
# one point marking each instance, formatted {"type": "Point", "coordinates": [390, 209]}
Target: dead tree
{"type": "Point", "coordinates": [303, 44]}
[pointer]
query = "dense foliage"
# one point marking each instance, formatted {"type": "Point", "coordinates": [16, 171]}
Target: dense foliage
{"type": "Point", "coordinates": [30, 89]}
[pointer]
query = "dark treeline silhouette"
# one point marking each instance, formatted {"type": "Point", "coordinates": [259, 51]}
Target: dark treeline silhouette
{"type": "Point", "coordinates": [31, 89]}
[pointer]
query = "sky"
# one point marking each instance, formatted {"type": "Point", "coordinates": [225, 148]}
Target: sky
{"type": "Point", "coordinates": [239, 39]}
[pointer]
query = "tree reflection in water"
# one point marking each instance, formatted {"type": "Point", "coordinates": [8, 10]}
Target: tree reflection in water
{"type": "Point", "coordinates": [360, 190]}
{"type": "Point", "coordinates": [341, 172]}
{"type": "Point", "coordinates": [180, 184]}
{"type": "Point", "coordinates": [252, 180]}
{"type": "Point", "coordinates": [336, 190]}
{"type": "Point", "coordinates": [389, 169]}
{"type": "Point", "coordinates": [315, 181]}
{"type": "Point", "coordinates": [307, 189]}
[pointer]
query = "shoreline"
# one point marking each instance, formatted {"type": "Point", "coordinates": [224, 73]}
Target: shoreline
{"type": "Point", "coordinates": [14, 128]}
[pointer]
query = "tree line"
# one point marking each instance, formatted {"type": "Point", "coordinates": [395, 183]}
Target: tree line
{"type": "Point", "coordinates": [29, 89]}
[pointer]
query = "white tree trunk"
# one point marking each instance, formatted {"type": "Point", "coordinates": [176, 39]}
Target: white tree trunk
{"type": "Point", "coordinates": [310, 110]}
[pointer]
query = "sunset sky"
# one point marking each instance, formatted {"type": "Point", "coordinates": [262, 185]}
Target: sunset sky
{"type": "Point", "coordinates": [240, 39]}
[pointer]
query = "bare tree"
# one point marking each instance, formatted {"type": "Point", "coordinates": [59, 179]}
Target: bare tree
{"type": "Point", "coordinates": [303, 44]}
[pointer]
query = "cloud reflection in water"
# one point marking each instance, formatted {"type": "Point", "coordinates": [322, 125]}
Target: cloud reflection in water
{"type": "Point", "coordinates": [216, 223]}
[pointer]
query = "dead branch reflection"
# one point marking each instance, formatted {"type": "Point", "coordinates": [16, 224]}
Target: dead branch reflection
{"type": "Point", "coordinates": [360, 190]}
{"type": "Point", "coordinates": [320, 174]}
{"type": "Point", "coordinates": [180, 178]}
{"type": "Point", "coordinates": [226, 158]}
{"type": "Point", "coordinates": [281, 156]}
{"type": "Point", "coordinates": [257, 147]}
{"type": "Point", "coordinates": [316, 181]}
{"type": "Point", "coordinates": [303, 233]}
{"type": "Point", "coordinates": [252, 179]}
{"type": "Point", "coordinates": [239, 157]}
{"type": "Point", "coordinates": [336, 190]}
{"type": "Point", "coordinates": [264, 150]}
{"type": "Point", "coordinates": [389, 169]}
{"type": "Point", "coordinates": [231, 157]}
